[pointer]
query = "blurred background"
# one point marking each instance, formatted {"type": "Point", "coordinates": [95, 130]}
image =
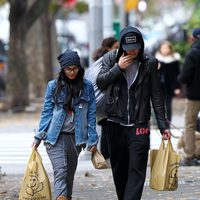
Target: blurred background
{"type": "Point", "coordinates": [34, 32]}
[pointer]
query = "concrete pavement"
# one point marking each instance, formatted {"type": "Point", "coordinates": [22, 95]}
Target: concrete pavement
{"type": "Point", "coordinates": [94, 184]}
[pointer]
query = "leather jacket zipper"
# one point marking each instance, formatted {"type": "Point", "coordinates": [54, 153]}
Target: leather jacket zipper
{"type": "Point", "coordinates": [128, 108]}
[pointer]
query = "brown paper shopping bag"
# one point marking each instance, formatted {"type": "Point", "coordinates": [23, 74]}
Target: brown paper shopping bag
{"type": "Point", "coordinates": [98, 160]}
{"type": "Point", "coordinates": [164, 164]}
{"type": "Point", "coordinates": [35, 184]}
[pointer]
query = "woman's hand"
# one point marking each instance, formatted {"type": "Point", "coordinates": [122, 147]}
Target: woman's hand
{"type": "Point", "coordinates": [92, 148]}
{"type": "Point", "coordinates": [166, 135]}
{"type": "Point", "coordinates": [36, 143]}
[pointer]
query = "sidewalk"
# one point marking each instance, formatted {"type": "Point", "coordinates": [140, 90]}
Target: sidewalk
{"type": "Point", "coordinates": [98, 185]}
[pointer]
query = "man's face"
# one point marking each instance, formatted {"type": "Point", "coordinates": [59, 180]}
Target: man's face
{"type": "Point", "coordinates": [133, 53]}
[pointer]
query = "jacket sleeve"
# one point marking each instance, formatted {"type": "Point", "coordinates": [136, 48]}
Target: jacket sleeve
{"type": "Point", "coordinates": [47, 112]}
{"type": "Point", "coordinates": [110, 71]}
{"type": "Point", "coordinates": [188, 71]}
{"type": "Point", "coordinates": [157, 98]}
{"type": "Point", "coordinates": [92, 133]}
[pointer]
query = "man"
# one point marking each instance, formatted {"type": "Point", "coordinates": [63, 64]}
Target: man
{"type": "Point", "coordinates": [131, 80]}
{"type": "Point", "coordinates": [190, 76]}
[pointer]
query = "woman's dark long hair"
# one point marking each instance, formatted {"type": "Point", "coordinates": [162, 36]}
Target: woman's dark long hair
{"type": "Point", "coordinates": [73, 87]}
{"type": "Point", "coordinates": [105, 45]}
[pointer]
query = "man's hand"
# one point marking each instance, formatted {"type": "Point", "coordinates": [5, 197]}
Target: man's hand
{"type": "Point", "coordinates": [166, 135]}
{"type": "Point", "coordinates": [125, 61]}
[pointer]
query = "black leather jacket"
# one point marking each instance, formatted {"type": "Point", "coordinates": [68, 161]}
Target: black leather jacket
{"type": "Point", "coordinates": [190, 73]}
{"type": "Point", "coordinates": [132, 106]}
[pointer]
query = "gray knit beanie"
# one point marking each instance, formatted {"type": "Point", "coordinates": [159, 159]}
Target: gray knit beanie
{"type": "Point", "coordinates": [69, 58]}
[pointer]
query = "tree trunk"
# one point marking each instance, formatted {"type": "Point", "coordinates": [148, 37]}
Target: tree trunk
{"type": "Point", "coordinates": [47, 47]}
{"type": "Point", "coordinates": [21, 19]}
{"type": "Point", "coordinates": [35, 61]}
{"type": "Point", "coordinates": [17, 78]}
{"type": "Point", "coordinates": [40, 55]}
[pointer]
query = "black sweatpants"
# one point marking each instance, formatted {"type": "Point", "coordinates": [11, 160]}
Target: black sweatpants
{"type": "Point", "coordinates": [103, 141]}
{"type": "Point", "coordinates": [128, 149]}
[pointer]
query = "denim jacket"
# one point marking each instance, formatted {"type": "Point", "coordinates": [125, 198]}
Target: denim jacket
{"type": "Point", "coordinates": [53, 115]}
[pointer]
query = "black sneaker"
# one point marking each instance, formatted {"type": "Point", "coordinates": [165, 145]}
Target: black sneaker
{"type": "Point", "coordinates": [192, 162]}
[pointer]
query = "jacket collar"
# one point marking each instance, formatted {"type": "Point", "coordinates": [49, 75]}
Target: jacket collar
{"type": "Point", "coordinates": [143, 69]}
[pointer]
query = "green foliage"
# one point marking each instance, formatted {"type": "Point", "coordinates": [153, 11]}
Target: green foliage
{"type": "Point", "coordinates": [182, 48]}
{"type": "Point", "coordinates": [194, 20]}
{"type": "Point", "coordinates": [81, 7]}
{"type": "Point", "coordinates": [54, 6]}
{"type": "Point", "coordinates": [196, 2]}
{"type": "Point", "coordinates": [2, 2]}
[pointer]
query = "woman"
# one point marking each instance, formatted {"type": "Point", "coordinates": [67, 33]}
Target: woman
{"type": "Point", "coordinates": [169, 62]}
{"type": "Point", "coordinates": [107, 45]}
{"type": "Point", "coordinates": [68, 122]}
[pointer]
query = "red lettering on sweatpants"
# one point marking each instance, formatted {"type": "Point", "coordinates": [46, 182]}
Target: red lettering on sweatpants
{"type": "Point", "coordinates": [142, 131]}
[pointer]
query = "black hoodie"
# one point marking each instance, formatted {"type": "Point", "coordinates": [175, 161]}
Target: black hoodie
{"type": "Point", "coordinates": [130, 29]}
